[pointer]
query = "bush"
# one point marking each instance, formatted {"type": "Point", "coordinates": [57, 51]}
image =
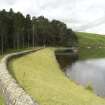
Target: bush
{"type": "Point", "coordinates": [89, 87]}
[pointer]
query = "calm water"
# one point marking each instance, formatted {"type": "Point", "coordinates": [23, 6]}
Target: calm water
{"type": "Point", "coordinates": [89, 72]}
{"type": "Point", "coordinates": [66, 57]}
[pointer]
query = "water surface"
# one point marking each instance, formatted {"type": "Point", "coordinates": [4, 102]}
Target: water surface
{"type": "Point", "coordinates": [89, 72]}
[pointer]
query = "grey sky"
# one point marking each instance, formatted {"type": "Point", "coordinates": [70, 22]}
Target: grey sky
{"type": "Point", "coordinates": [81, 15]}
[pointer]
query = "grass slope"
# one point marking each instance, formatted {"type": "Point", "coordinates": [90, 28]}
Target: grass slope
{"type": "Point", "coordinates": [41, 77]}
{"type": "Point", "coordinates": [95, 42]}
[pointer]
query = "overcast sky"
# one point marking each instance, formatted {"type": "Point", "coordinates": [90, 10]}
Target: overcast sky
{"type": "Point", "coordinates": [81, 15]}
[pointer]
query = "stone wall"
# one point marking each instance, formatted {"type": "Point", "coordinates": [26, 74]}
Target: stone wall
{"type": "Point", "coordinates": [11, 91]}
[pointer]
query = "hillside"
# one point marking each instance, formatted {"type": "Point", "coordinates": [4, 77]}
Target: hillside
{"type": "Point", "coordinates": [39, 74]}
{"type": "Point", "coordinates": [92, 40]}
{"type": "Point", "coordinates": [91, 45]}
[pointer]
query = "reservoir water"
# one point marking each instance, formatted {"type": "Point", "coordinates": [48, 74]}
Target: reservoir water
{"type": "Point", "coordinates": [89, 72]}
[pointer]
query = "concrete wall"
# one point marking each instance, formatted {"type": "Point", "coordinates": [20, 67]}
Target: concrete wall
{"type": "Point", "coordinates": [11, 91]}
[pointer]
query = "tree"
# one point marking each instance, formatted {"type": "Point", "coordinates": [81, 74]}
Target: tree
{"type": "Point", "coordinates": [28, 29]}
{"type": "Point", "coordinates": [10, 28]}
{"type": "Point", "coordinates": [3, 30]}
{"type": "Point", "coordinates": [17, 31]}
{"type": "Point", "coordinates": [35, 33]}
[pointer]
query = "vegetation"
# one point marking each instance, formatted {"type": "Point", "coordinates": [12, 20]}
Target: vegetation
{"type": "Point", "coordinates": [92, 53]}
{"type": "Point", "coordinates": [19, 31]}
{"type": "Point", "coordinates": [91, 45]}
{"type": "Point", "coordinates": [47, 84]}
{"type": "Point", "coordinates": [1, 57]}
{"type": "Point", "coordinates": [89, 87]}
{"type": "Point", "coordinates": [91, 40]}
{"type": "Point", "coordinates": [1, 101]}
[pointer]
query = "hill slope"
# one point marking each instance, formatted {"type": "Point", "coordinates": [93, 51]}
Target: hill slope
{"type": "Point", "coordinates": [92, 40]}
{"type": "Point", "coordinates": [91, 45]}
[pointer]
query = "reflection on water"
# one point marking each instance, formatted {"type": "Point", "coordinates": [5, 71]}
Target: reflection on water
{"type": "Point", "coordinates": [66, 57]}
{"type": "Point", "coordinates": [89, 72]}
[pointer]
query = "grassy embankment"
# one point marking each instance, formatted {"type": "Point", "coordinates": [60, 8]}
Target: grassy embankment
{"type": "Point", "coordinates": [91, 45]}
{"type": "Point", "coordinates": [39, 74]}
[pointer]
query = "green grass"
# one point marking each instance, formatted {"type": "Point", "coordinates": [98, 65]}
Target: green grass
{"type": "Point", "coordinates": [95, 42]}
{"type": "Point", "coordinates": [1, 100]}
{"type": "Point", "coordinates": [92, 53]}
{"type": "Point", "coordinates": [40, 75]}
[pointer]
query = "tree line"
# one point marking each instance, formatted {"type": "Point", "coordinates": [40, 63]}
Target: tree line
{"type": "Point", "coordinates": [19, 31]}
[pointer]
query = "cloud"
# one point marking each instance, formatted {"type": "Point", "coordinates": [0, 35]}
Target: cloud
{"type": "Point", "coordinates": [75, 13]}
